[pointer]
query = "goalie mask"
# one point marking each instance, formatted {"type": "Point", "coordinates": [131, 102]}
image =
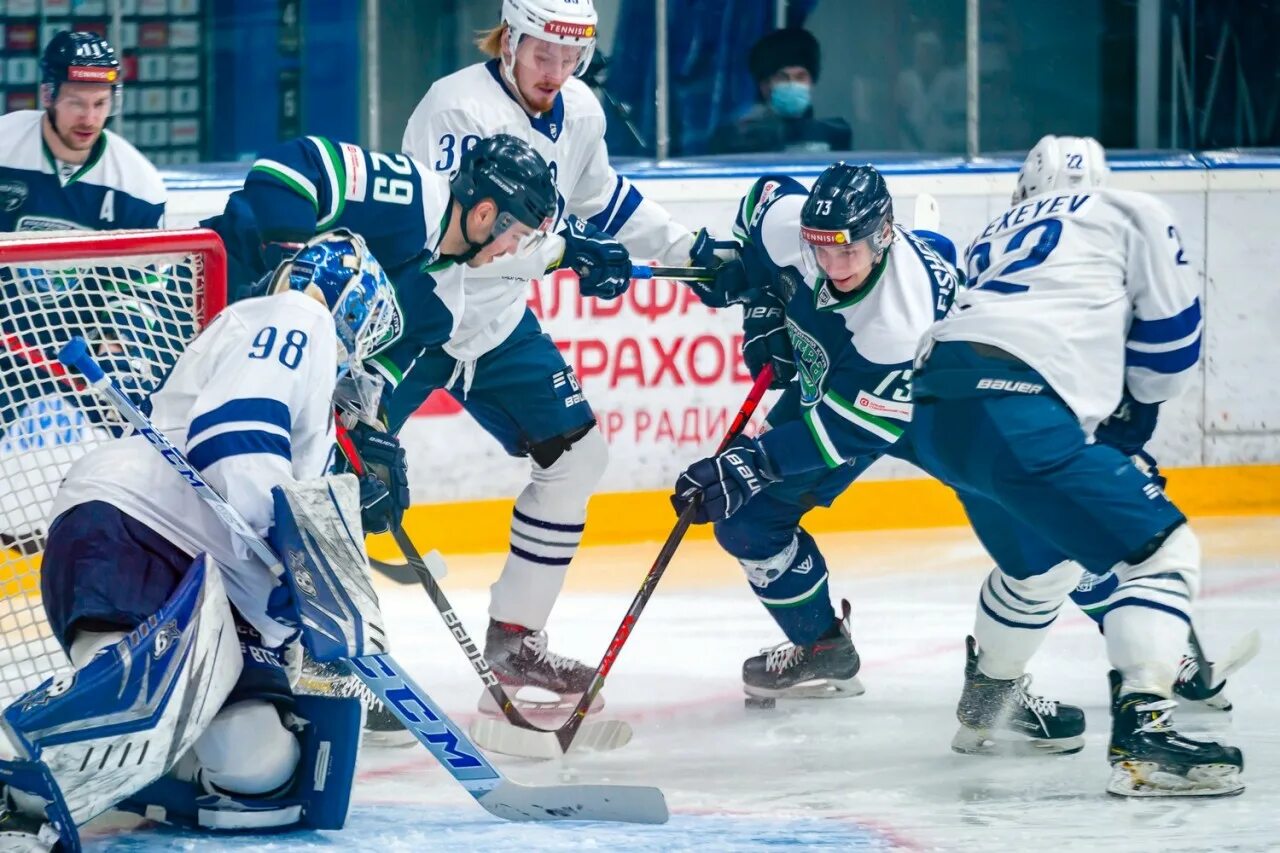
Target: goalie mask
{"type": "Point", "coordinates": [338, 268]}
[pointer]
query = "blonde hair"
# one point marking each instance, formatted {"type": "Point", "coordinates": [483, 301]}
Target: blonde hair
{"type": "Point", "coordinates": [490, 41]}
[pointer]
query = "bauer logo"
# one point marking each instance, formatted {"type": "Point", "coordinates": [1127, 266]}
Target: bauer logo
{"type": "Point", "coordinates": [821, 237]}
{"type": "Point", "coordinates": [568, 29]}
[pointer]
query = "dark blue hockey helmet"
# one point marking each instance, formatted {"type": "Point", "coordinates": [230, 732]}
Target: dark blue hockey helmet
{"type": "Point", "coordinates": [514, 176]}
{"type": "Point", "coordinates": [847, 206]}
{"type": "Point", "coordinates": [79, 57]}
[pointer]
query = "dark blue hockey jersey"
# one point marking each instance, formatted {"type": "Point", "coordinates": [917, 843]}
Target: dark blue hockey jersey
{"type": "Point", "coordinates": [853, 352]}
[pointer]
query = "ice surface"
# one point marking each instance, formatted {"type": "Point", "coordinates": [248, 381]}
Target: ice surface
{"type": "Point", "coordinates": [868, 773]}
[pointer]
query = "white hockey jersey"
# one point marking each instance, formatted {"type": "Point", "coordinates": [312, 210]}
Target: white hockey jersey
{"type": "Point", "coordinates": [1092, 289]}
{"type": "Point", "coordinates": [250, 404]}
{"type": "Point", "coordinates": [472, 103]}
{"type": "Point", "coordinates": [116, 187]}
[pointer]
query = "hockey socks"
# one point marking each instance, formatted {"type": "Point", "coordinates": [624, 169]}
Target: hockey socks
{"type": "Point", "coordinates": [792, 586]}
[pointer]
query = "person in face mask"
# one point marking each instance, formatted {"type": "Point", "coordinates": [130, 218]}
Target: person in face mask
{"type": "Point", "coordinates": [785, 65]}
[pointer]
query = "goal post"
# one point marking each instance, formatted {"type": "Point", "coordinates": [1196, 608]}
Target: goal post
{"type": "Point", "coordinates": [138, 298]}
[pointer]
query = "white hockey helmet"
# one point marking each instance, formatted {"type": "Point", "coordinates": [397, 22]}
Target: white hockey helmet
{"type": "Point", "coordinates": [1059, 163]}
{"type": "Point", "coordinates": [569, 22]}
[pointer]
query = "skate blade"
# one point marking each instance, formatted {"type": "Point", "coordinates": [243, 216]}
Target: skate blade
{"type": "Point", "coordinates": [388, 739]}
{"type": "Point", "coordinates": [1146, 779]}
{"type": "Point", "coordinates": [502, 737]}
{"type": "Point", "coordinates": [827, 688]}
{"type": "Point", "coordinates": [969, 741]}
{"type": "Point", "coordinates": [555, 707]}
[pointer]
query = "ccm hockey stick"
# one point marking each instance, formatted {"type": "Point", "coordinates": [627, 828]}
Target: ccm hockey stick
{"type": "Point", "coordinates": [535, 742]}
{"type": "Point", "coordinates": [386, 678]}
{"type": "Point", "coordinates": [500, 738]}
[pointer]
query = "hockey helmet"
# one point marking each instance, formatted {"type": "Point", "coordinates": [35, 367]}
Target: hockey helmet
{"type": "Point", "coordinates": [79, 57]}
{"type": "Point", "coordinates": [514, 176]}
{"type": "Point", "coordinates": [565, 22]}
{"type": "Point", "coordinates": [848, 206]}
{"type": "Point", "coordinates": [1062, 163]}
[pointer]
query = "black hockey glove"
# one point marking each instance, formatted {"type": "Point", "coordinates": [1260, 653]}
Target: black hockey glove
{"type": "Point", "coordinates": [602, 263]}
{"type": "Point", "coordinates": [765, 339]}
{"type": "Point", "coordinates": [723, 483]}
{"type": "Point", "coordinates": [1130, 426]}
{"type": "Point", "coordinates": [384, 487]}
{"type": "Point", "coordinates": [732, 283]}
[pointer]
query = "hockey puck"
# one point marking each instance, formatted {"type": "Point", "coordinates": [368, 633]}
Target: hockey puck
{"type": "Point", "coordinates": [759, 703]}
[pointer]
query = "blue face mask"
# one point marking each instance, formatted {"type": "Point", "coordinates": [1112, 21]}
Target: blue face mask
{"type": "Point", "coordinates": [790, 98]}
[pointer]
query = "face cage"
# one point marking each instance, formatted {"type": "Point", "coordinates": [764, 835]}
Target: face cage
{"type": "Point", "coordinates": [358, 390]}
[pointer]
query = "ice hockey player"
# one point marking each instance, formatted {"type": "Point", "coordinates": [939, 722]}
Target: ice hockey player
{"type": "Point", "coordinates": [61, 169]}
{"type": "Point", "coordinates": [841, 297]}
{"type": "Point", "coordinates": [1081, 300]}
{"type": "Point", "coordinates": [178, 634]}
{"type": "Point", "coordinates": [426, 229]}
{"type": "Point", "coordinates": [506, 372]}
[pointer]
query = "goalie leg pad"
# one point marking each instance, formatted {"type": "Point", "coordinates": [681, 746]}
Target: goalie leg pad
{"type": "Point", "coordinates": [317, 793]}
{"type": "Point", "coordinates": [320, 541]}
{"type": "Point", "coordinates": [91, 738]}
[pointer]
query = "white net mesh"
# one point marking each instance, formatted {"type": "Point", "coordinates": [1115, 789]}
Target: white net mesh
{"type": "Point", "coordinates": [138, 311]}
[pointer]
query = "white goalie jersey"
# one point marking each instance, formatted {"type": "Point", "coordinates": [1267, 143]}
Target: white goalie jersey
{"type": "Point", "coordinates": [1093, 290]}
{"type": "Point", "coordinates": [467, 105]}
{"type": "Point", "coordinates": [250, 404]}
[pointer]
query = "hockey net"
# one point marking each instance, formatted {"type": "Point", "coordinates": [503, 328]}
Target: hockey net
{"type": "Point", "coordinates": [138, 298]}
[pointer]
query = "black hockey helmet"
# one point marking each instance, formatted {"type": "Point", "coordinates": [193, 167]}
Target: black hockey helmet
{"type": "Point", "coordinates": [847, 204]}
{"type": "Point", "coordinates": [79, 57]}
{"type": "Point", "coordinates": [511, 173]}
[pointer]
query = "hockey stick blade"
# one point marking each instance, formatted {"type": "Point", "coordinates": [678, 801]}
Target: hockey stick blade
{"type": "Point", "coordinates": [404, 574]}
{"type": "Point", "coordinates": [927, 216]}
{"type": "Point", "coordinates": [1245, 649]}
{"type": "Point", "coordinates": [616, 803]}
{"type": "Point", "coordinates": [502, 737]}
{"type": "Point", "coordinates": [536, 742]}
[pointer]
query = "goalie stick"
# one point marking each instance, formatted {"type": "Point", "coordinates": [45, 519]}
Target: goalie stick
{"type": "Point", "coordinates": [385, 677]}
{"type": "Point", "coordinates": [512, 740]}
{"type": "Point", "coordinates": [532, 742]}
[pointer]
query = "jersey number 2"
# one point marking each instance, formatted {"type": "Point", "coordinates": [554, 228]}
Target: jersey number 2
{"type": "Point", "coordinates": [290, 352]}
{"type": "Point", "coordinates": [1021, 257]}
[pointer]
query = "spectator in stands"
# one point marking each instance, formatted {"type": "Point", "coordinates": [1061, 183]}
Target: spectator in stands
{"type": "Point", "coordinates": [931, 99]}
{"type": "Point", "coordinates": [785, 64]}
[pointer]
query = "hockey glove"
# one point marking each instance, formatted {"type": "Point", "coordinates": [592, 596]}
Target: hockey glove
{"type": "Point", "coordinates": [1130, 426]}
{"type": "Point", "coordinates": [602, 263]}
{"type": "Point", "coordinates": [721, 484]}
{"type": "Point", "coordinates": [384, 488]}
{"type": "Point", "coordinates": [732, 283]}
{"type": "Point", "coordinates": [765, 339]}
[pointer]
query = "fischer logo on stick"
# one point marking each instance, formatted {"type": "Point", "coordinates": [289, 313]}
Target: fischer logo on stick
{"type": "Point", "coordinates": [819, 237]}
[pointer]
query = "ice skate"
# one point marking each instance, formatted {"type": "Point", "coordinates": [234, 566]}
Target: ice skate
{"type": "Point", "coordinates": [1150, 759]}
{"type": "Point", "coordinates": [381, 727]}
{"type": "Point", "coordinates": [524, 665]}
{"type": "Point", "coordinates": [826, 669]}
{"type": "Point", "coordinates": [21, 833]}
{"type": "Point", "coordinates": [1002, 716]}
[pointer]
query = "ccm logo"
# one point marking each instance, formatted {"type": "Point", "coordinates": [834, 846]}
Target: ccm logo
{"type": "Point", "coordinates": [1009, 385]}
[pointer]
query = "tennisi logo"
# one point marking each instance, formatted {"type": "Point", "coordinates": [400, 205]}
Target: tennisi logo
{"type": "Point", "coordinates": [570, 30]}
{"type": "Point", "coordinates": [819, 237]}
{"type": "Point", "coordinates": [86, 74]}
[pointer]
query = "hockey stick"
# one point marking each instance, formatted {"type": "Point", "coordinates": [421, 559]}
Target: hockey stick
{"type": "Point", "coordinates": [510, 739]}
{"type": "Point", "coordinates": [926, 215]}
{"type": "Point", "coordinates": [535, 742]}
{"type": "Point", "coordinates": [674, 273]}
{"type": "Point", "coordinates": [386, 678]}
{"type": "Point", "coordinates": [401, 573]}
